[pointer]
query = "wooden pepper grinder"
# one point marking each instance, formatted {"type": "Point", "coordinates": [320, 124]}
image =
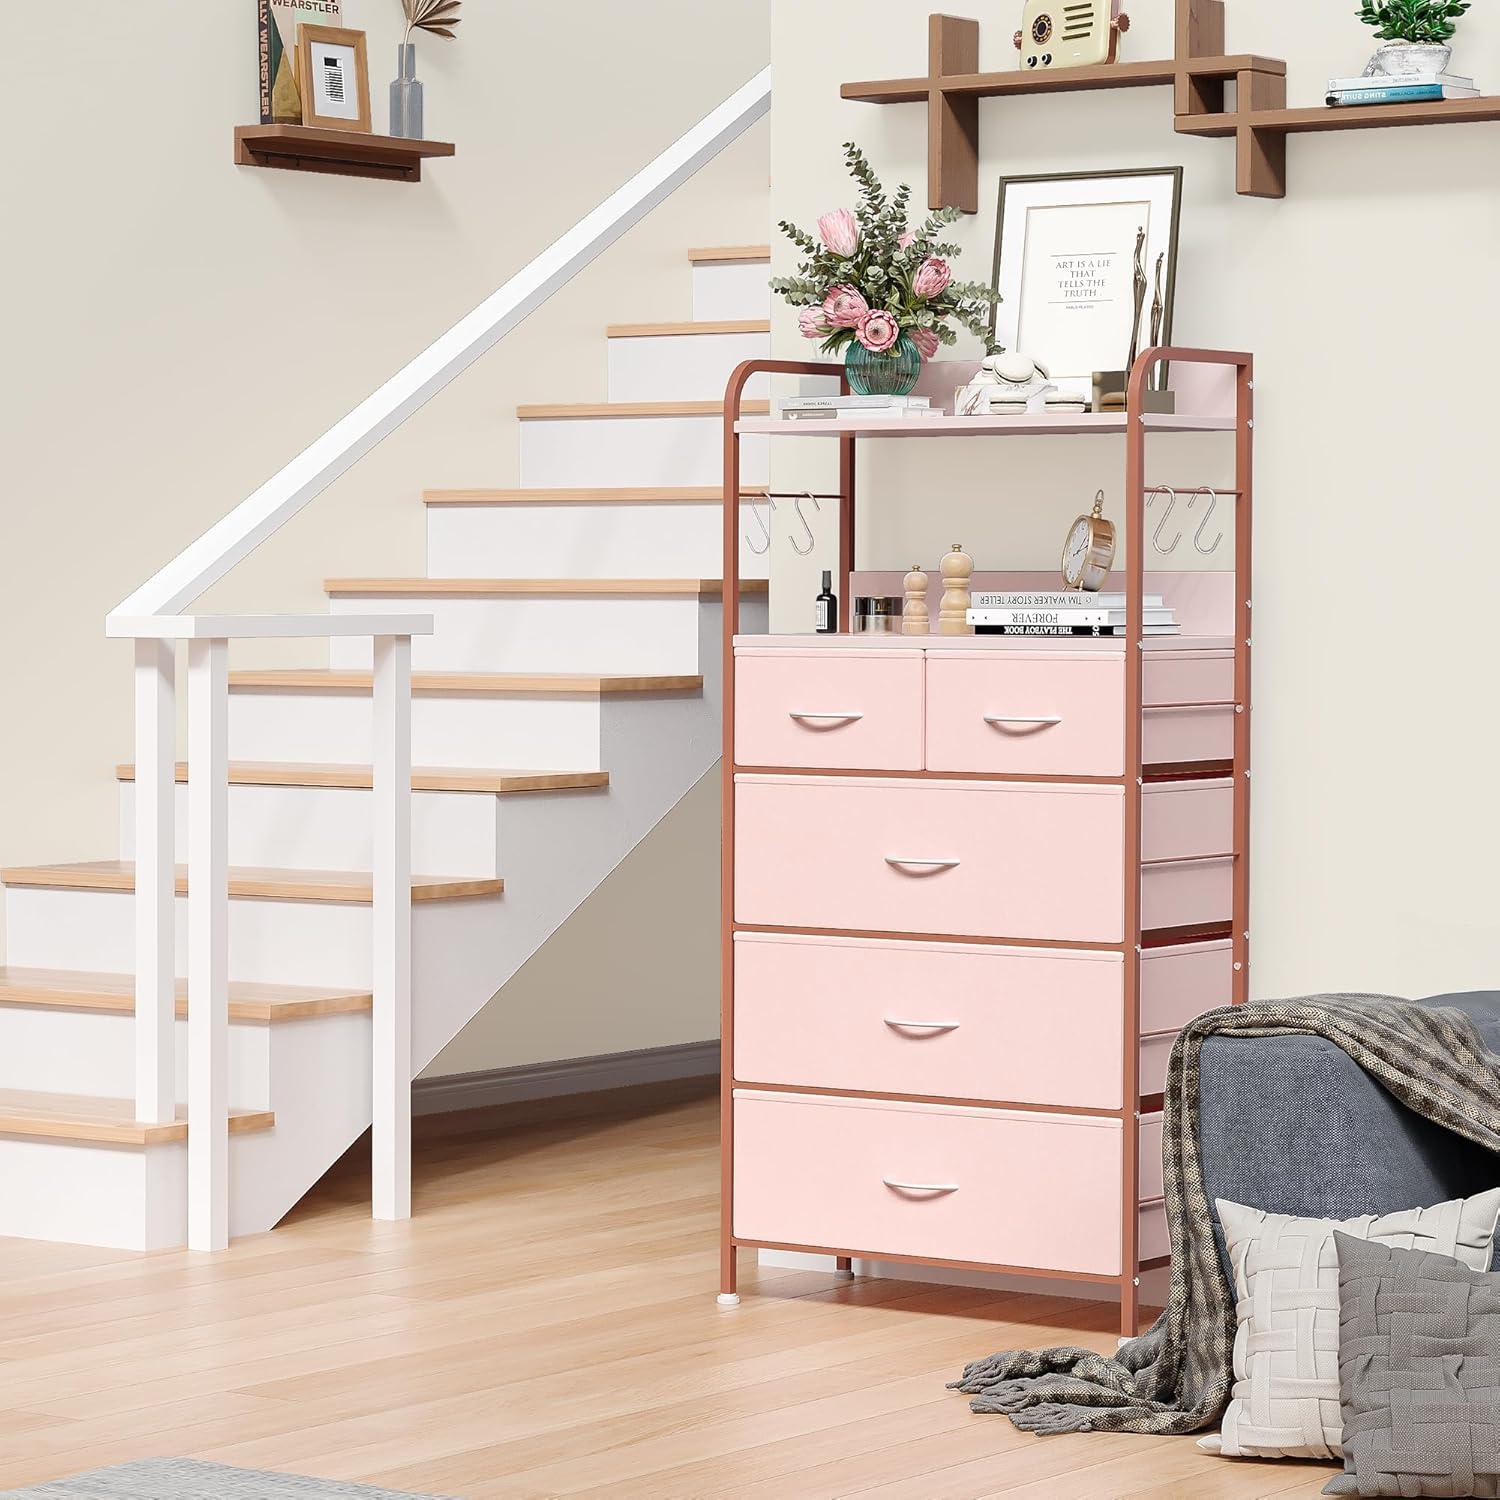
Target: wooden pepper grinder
{"type": "Point", "coordinates": [958, 568]}
{"type": "Point", "coordinates": [915, 619]}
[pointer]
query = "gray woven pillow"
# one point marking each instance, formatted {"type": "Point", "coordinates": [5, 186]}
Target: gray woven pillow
{"type": "Point", "coordinates": [1419, 1373]}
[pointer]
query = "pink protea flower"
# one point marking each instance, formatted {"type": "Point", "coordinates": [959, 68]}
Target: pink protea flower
{"type": "Point", "coordinates": [843, 307]}
{"type": "Point", "coordinates": [877, 331]}
{"type": "Point", "coordinates": [926, 340]}
{"type": "Point", "coordinates": [932, 277]}
{"type": "Point", "coordinates": [908, 239]}
{"type": "Point", "coordinates": [810, 322]}
{"type": "Point", "coordinates": [840, 232]}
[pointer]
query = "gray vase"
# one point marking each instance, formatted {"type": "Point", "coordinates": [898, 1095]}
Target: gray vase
{"type": "Point", "coordinates": [406, 95]}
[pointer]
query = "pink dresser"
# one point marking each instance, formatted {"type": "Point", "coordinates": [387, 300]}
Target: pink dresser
{"type": "Point", "coordinates": [945, 1046]}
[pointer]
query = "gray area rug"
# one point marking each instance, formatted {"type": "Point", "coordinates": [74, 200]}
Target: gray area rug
{"type": "Point", "coordinates": [187, 1479]}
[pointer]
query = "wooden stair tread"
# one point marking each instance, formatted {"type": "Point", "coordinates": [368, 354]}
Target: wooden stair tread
{"type": "Point", "coordinates": [111, 1122]}
{"type": "Point", "coordinates": [653, 495]}
{"type": "Point", "coordinates": [678, 330]}
{"type": "Point", "coordinates": [423, 778]}
{"type": "Point", "coordinates": [343, 886]}
{"type": "Point", "coordinates": [706, 255]}
{"type": "Point", "coordinates": [610, 588]}
{"type": "Point", "coordinates": [470, 684]}
{"type": "Point", "coordinates": [70, 989]}
{"type": "Point", "coordinates": [552, 411]}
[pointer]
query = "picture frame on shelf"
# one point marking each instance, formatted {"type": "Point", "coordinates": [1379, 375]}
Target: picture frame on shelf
{"type": "Point", "coordinates": [1076, 257]}
{"type": "Point", "coordinates": [333, 76]}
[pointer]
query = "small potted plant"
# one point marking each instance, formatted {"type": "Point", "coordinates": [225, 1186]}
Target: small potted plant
{"type": "Point", "coordinates": [878, 292]}
{"type": "Point", "coordinates": [1415, 34]}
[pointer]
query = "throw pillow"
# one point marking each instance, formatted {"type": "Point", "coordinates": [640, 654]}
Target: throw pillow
{"type": "Point", "coordinates": [1419, 1373]}
{"type": "Point", "coordinates": [1286, 1394]}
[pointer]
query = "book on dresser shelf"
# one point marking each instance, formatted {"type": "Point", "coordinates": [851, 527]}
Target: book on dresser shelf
{"type": "Point", "coordinates": [1067, 613]}
{"type": "Point", "coordinates": [1097, 632]}
{"type": "Point", "coordinates": [855, 408]}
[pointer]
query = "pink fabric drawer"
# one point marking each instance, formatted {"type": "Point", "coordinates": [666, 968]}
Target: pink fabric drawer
{"type": "Point", "coordinates": [1151, 1164]}
{"type": "Point", "coordinates": [1176, 985]}
{"type": "Point", "coordinates": [845, 710]}
{"type": "Point", "coordinates": [1187, 819]}
{"type": "Point", "coordinates": [1178, 736]}
{"type": "Point", "coordinates": [982, 709]}
{"type": "Point", "coordinates": [1190, 893]}
{"type": "Point", "coordinates": [1189, 677]}
{"type": "Point", "coordinates": [819, 852]}
{"type": "Point", "coordinates": [820, 1012]}
{"type": "Point", "coordinates": [1154, 1242]}
{"type": "Point", "coordinates": [1027, 1189]}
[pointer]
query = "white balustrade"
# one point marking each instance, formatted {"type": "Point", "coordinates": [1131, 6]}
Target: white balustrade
{"type": "Point", "coordinates": [150, 617]}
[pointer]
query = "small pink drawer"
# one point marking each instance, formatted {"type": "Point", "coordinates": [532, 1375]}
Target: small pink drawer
{"type": "Point", "coordinates": [971, 859]}
{"type": "Point", "coordinates": [827, 709]}
{"type": "Point", "coordinates": [1016, 713]}
{"type": "Point", "coordinates": [937, 1182]}
{"type": "Point", "coordinates": [1176, 736]}
{"type": "Point", "coordinates": [1187, 893]}
{"type": "Point", "coordinates": [943, 1020]}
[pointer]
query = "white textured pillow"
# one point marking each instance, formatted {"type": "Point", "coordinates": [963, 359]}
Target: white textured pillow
{"type": "Point", "coordinates": [1286, 1283]}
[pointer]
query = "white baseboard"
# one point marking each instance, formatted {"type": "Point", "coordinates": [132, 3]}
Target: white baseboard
{"type": "Point", "coordinates": [574, 1075]}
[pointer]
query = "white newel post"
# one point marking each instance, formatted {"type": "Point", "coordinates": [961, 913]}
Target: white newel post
{"type": "Point", "coordinates": [155, 879]}
{"type": "Point", "coordinates": [391, 928]}
{"type": "Point", "coordinates": [208, 944]}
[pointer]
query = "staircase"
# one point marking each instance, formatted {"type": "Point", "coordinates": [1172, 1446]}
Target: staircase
{"type": "Point", "coordinates": [556, 717]}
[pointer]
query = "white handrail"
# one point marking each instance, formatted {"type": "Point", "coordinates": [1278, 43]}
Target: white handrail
{"type": "Point", "coordinates": [232, 539]}
{"type": "Point", "coordinates": [152, 618]}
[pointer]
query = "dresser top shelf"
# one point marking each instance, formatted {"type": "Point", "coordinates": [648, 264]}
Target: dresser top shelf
{"type": "Point", "coordinates": [1077, 646]}
{"type": "Point", "coordinates": [1042, 424]}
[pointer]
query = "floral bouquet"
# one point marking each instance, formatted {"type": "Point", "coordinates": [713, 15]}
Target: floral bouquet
{"type": "Point", "coordinates": [879, 292]}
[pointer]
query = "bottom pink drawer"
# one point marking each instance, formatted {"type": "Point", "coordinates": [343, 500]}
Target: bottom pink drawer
{"type": "Point", "coordinates": [934, 1182]}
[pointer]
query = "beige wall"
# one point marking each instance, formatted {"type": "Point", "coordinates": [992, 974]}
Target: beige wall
{"type": "Point", "coordinates": [1369, 299]}
{"type": "Point", "coordinates": [178, 328]}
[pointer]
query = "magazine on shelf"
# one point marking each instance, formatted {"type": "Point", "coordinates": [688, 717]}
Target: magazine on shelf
{"type": "Point", "coordinates": [1389, 80]}
{"type": "Point", "coordinates": [1059, 599]}
{"type": "Point", "coordinates": [1420, 93]}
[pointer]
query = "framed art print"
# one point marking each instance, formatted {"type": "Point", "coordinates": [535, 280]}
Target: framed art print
{"type": "Point", "coordinates": [1086, 265]}
{"type": "Point", "coordinates": [333, 75]}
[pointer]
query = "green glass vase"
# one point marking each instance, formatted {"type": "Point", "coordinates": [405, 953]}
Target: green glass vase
{"type": "Point", "coordinates": [893, 373]}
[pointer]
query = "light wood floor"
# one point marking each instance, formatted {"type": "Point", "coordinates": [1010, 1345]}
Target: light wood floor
{"type": "Point", "coordinates": [546, 1326]}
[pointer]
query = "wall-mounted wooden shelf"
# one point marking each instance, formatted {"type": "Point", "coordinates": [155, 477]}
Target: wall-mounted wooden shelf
{"type": "Point", "coordinates": [344, 153]}
{"type": "Point", "coordinates": [1199, 73]}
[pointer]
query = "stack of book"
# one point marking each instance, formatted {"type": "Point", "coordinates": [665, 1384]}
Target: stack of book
{"type": "Point", "coordinates": [856, 408]}
{"type": "Point", "coordinates": [1066, 614]}
{"type": "Point", "coordinates": [1399, 88]}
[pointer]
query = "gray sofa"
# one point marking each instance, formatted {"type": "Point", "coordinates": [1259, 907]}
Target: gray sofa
{"type": "Point", "coordinates": [1293, 1125]}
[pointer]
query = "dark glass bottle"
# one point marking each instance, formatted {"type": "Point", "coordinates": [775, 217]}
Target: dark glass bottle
{"type": "Point", "coordinates": [827, 608]}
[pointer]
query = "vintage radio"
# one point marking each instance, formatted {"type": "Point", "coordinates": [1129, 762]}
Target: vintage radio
{"type": "Point", "coordinates": [1070, 33]}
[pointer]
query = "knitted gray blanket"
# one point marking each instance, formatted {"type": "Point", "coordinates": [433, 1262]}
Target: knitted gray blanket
{"type": "Point", "coordinates": [1177, 1377]}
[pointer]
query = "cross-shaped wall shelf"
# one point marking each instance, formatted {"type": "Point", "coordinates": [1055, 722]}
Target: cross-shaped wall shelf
{"type": "Point", "coordinates": [1260, 121]}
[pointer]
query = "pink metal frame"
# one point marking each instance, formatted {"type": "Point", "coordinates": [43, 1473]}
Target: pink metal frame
{"type": "Point", "coordinates": [1133, 781]}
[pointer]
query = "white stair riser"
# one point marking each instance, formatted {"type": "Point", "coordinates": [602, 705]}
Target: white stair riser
{"type": "Point", "coordinates": [614, 540]}
{"type": "Point", "coordinates": [272, 942]}
{"type": "Point", "coordinates": [731, 289]}
{"type": "Point", "coordinates": [591, 452]}
{"type": "Point", "coordinates": [538, 633]}
{"type": "Point", "coordinates": [134, 1198]}
{"type": "Point", "coordinates": [555, 733]}
{"type": "Point", "coordinates": [683, 366]}
{"type": "Point", "coordinates": [330, 828]}
{"type": "Point", "coordinates": [89, 1052]}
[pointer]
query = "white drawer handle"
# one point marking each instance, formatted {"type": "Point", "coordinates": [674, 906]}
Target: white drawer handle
{"type": "Point", "coordinates": [1000, 720]}
{"type": "Point", "coordinates": [831, 718]}
{"type": "Point", "coordinates": [923, 864]}
{"type": "Point", "coordinates": [924, 1025]}
{"type": "Point", "coordinates": [937, 1188]}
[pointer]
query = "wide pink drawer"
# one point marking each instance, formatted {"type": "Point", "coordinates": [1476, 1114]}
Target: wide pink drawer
{"type": "Point", "coordinates": [967, 859]}
{"type": "Point", "coordinates": [943, 1020]}
{"type": "Point", "coordinates": [972, 859]}
{"type": "Point", "coordinates": [934, 1182]}
{"type": "Point", "coordinates": [827, 709]}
